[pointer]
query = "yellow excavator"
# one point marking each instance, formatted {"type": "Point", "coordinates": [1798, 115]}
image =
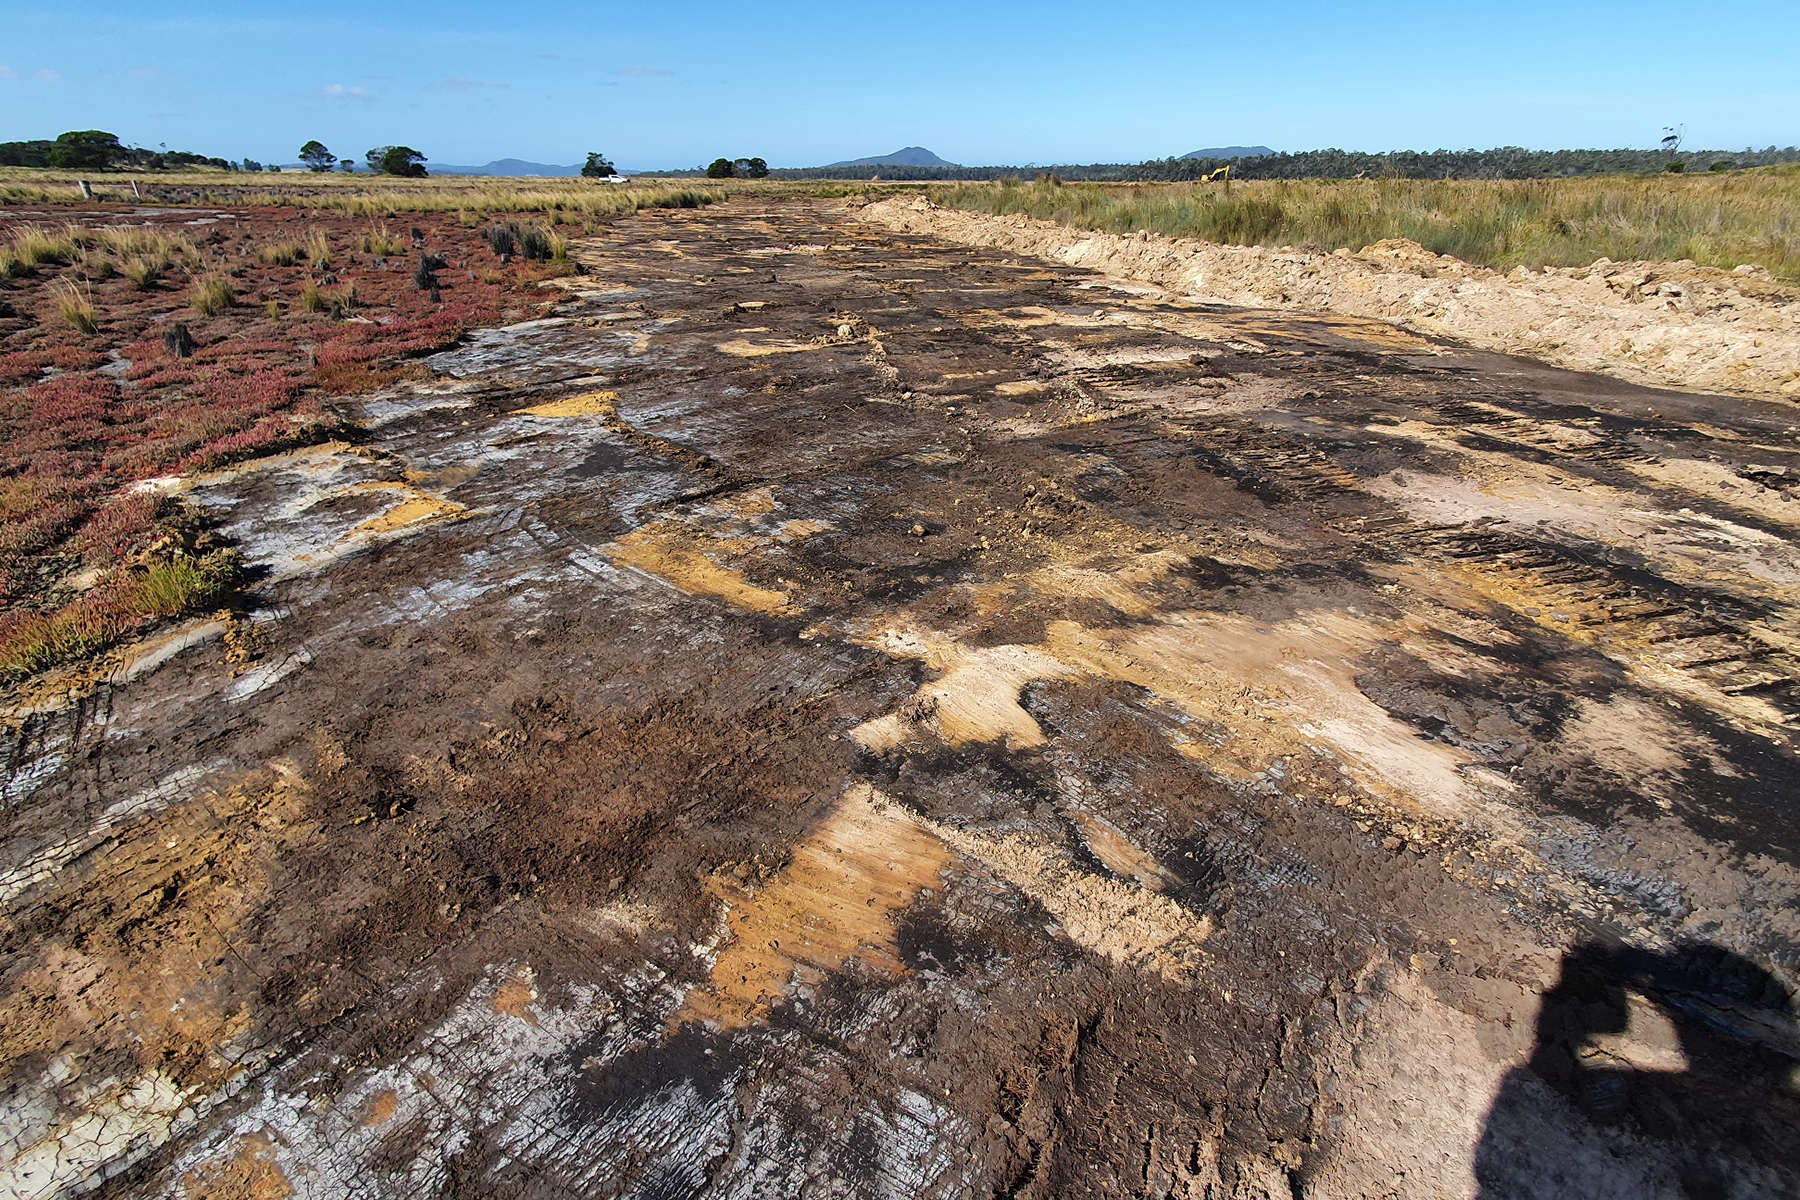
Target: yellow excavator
{"type": "Point", "coordinates": [1219, 173]}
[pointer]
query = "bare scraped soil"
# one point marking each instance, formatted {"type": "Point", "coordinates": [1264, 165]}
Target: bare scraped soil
{"type": "Point", "coordinates": [833, 712]}
{"type": "Point", "coordinates": [1664, 324]}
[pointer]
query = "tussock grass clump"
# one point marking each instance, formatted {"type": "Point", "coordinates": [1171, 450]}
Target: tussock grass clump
{"type": "Point", "coordinates": [213, 295]}
{"type": "Point", "coordinates": [534, 243]}
{"type": "Point", "coordinates": [315, 299]}
{"type": "Point", "coordinates": [280, 254]}
{"type": "Point", "coordinates": [384, 242]}
{"type": "Point", "coordinates": [125, 241]}
{"type": "Point", "coordinates": [33, 246]}
{"type": "Point", "coordinates": [76, 304]}
{"type": "Point", "coordinates": [1717, 220]}
{"type": "Point", "coordinates": [502, 239]}
{"type": "Point", "coordinates": [146, 269]}
{"type": "Point", "coordinates": [318, 250]}
{"type": "Point", "coordinates": [272, 310]}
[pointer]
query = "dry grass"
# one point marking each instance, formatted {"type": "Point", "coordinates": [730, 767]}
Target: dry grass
{"type": "Point", "coordinates": [280, 254]}
{"type": "Point", "coordinates": [1717, 219]}
{"type": "Point", "coordinates": [145, 269]}
{"type": "Point", "coordinates": [33, 246]}
{"type": "Point", "coordinates": [141, 254]}
{"type": "Point", "coordinates": [213, 295]}
{"type": "Point", "coordinates": [383, 241]}
{"type": "Point", "coordinates": [381, 196]}
{"type": "Point", "coordinates": [318, 250]}
{"type": "Point", "coordinates": [312, 299]}
{"type": "Point", "coordinates": [75, 303]}
{"type": "Point", "coordinates": [125, 241]}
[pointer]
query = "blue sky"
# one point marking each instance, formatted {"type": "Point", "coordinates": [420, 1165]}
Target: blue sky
{"type": "Point", "coordinates": [656, 84]}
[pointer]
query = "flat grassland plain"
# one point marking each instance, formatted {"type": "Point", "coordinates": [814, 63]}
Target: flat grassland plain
{"type": "Point", "coordinates": [697, 693]}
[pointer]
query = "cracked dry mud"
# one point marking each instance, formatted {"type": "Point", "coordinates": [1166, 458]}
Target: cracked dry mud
{"type": "Point", "coordinates": [832, 713]}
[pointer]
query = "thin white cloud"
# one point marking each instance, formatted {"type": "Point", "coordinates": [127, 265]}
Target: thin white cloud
{"type": "Point", "coordinates": [461, 83]}
{"type": "Point", "coordinates": [145, 72]}
{"type": "Point", "coordinates": [343, 91]}
{"type": "Point", "coordinates": [644, 73]}
{"type": "Point", "coordinates": [47, 75]}
{"type": "Point", "coordinates": [7, 72]}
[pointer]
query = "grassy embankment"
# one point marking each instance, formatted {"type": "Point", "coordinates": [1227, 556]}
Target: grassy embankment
{"type": "Point", "coordinates": [1717, 220]}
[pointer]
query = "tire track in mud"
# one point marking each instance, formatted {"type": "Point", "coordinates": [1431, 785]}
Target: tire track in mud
{"type": "Point", "coordinates": [892, 719]}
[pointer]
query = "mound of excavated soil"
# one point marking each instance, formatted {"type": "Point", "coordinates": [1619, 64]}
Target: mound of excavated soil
{"type": "Point", "coordinates": [1665, 324]}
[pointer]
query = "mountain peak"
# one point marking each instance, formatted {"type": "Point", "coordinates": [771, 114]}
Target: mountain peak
{"type": "Point", "coordinates": [1229, 152]}
{"type": "Point", "coordinates": [906, 156]}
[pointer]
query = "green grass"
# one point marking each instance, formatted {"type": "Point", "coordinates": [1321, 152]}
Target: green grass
{"type": "Point", "coordinates": [1719, 219]}
{"type": "Point", "coordinates": [122, 604]}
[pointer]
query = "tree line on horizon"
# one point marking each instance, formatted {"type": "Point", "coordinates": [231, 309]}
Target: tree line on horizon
{"type": "Point", "coordinates": [98, 150]}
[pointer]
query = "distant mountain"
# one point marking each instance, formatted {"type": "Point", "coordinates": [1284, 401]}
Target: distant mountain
{"type": "Point", "coordinates": [1230, 152]}
{"type": "Point", "coordinates": [908, 156]}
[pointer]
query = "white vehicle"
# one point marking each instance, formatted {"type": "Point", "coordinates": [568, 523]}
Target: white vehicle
{"type": "Point", "coordinates": [616, 179]}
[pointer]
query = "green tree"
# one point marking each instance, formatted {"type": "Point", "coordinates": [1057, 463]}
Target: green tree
{"type": "Point", "coordinates": [756, 168]}
{"type": "Point", "coordinates": [396, 160]}
{"type": "Point", "coordinates": [316, 156]}
{"type": "Point", "coordinates": [85, 150]}
{"type": "Point", "coordinates": [347, 166]}
{"type": "Point", "coordinates": [597, 166]}
{"type": "Point", "coordinates": [720, 168]}
{"type": "Point", "coordinates": [26, 154]}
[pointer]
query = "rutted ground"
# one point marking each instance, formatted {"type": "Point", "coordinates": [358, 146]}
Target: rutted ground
{"type": "Point", "coordinates": [1664, 324]}
{"type": "Point", "coordinates": [834, 714]}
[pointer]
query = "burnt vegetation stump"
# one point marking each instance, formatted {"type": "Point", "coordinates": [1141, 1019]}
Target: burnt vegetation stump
{"type": "Point", "coordinates": [178, 341]}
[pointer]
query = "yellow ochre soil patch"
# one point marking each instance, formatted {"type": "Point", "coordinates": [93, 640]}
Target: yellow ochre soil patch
{"type": "Point", "coordinates": [836, 900]}
{"type": "Point", "coordinates": [588, 404]}
{"type": "Point", "coordinates": [516, 995]}
{"type": "Point", "coordinates": [381, 1108]}
{"type": "Point", "coordinates": [743, 348]}
{"type": "Point", "coordinates": [250, 1174]}
{"type": "Point", "coordinates": [699, 553]}
{"type": "Point", "coordinates": [417, 508]}
{"type": "Point", "coordinates": [666, 548]}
